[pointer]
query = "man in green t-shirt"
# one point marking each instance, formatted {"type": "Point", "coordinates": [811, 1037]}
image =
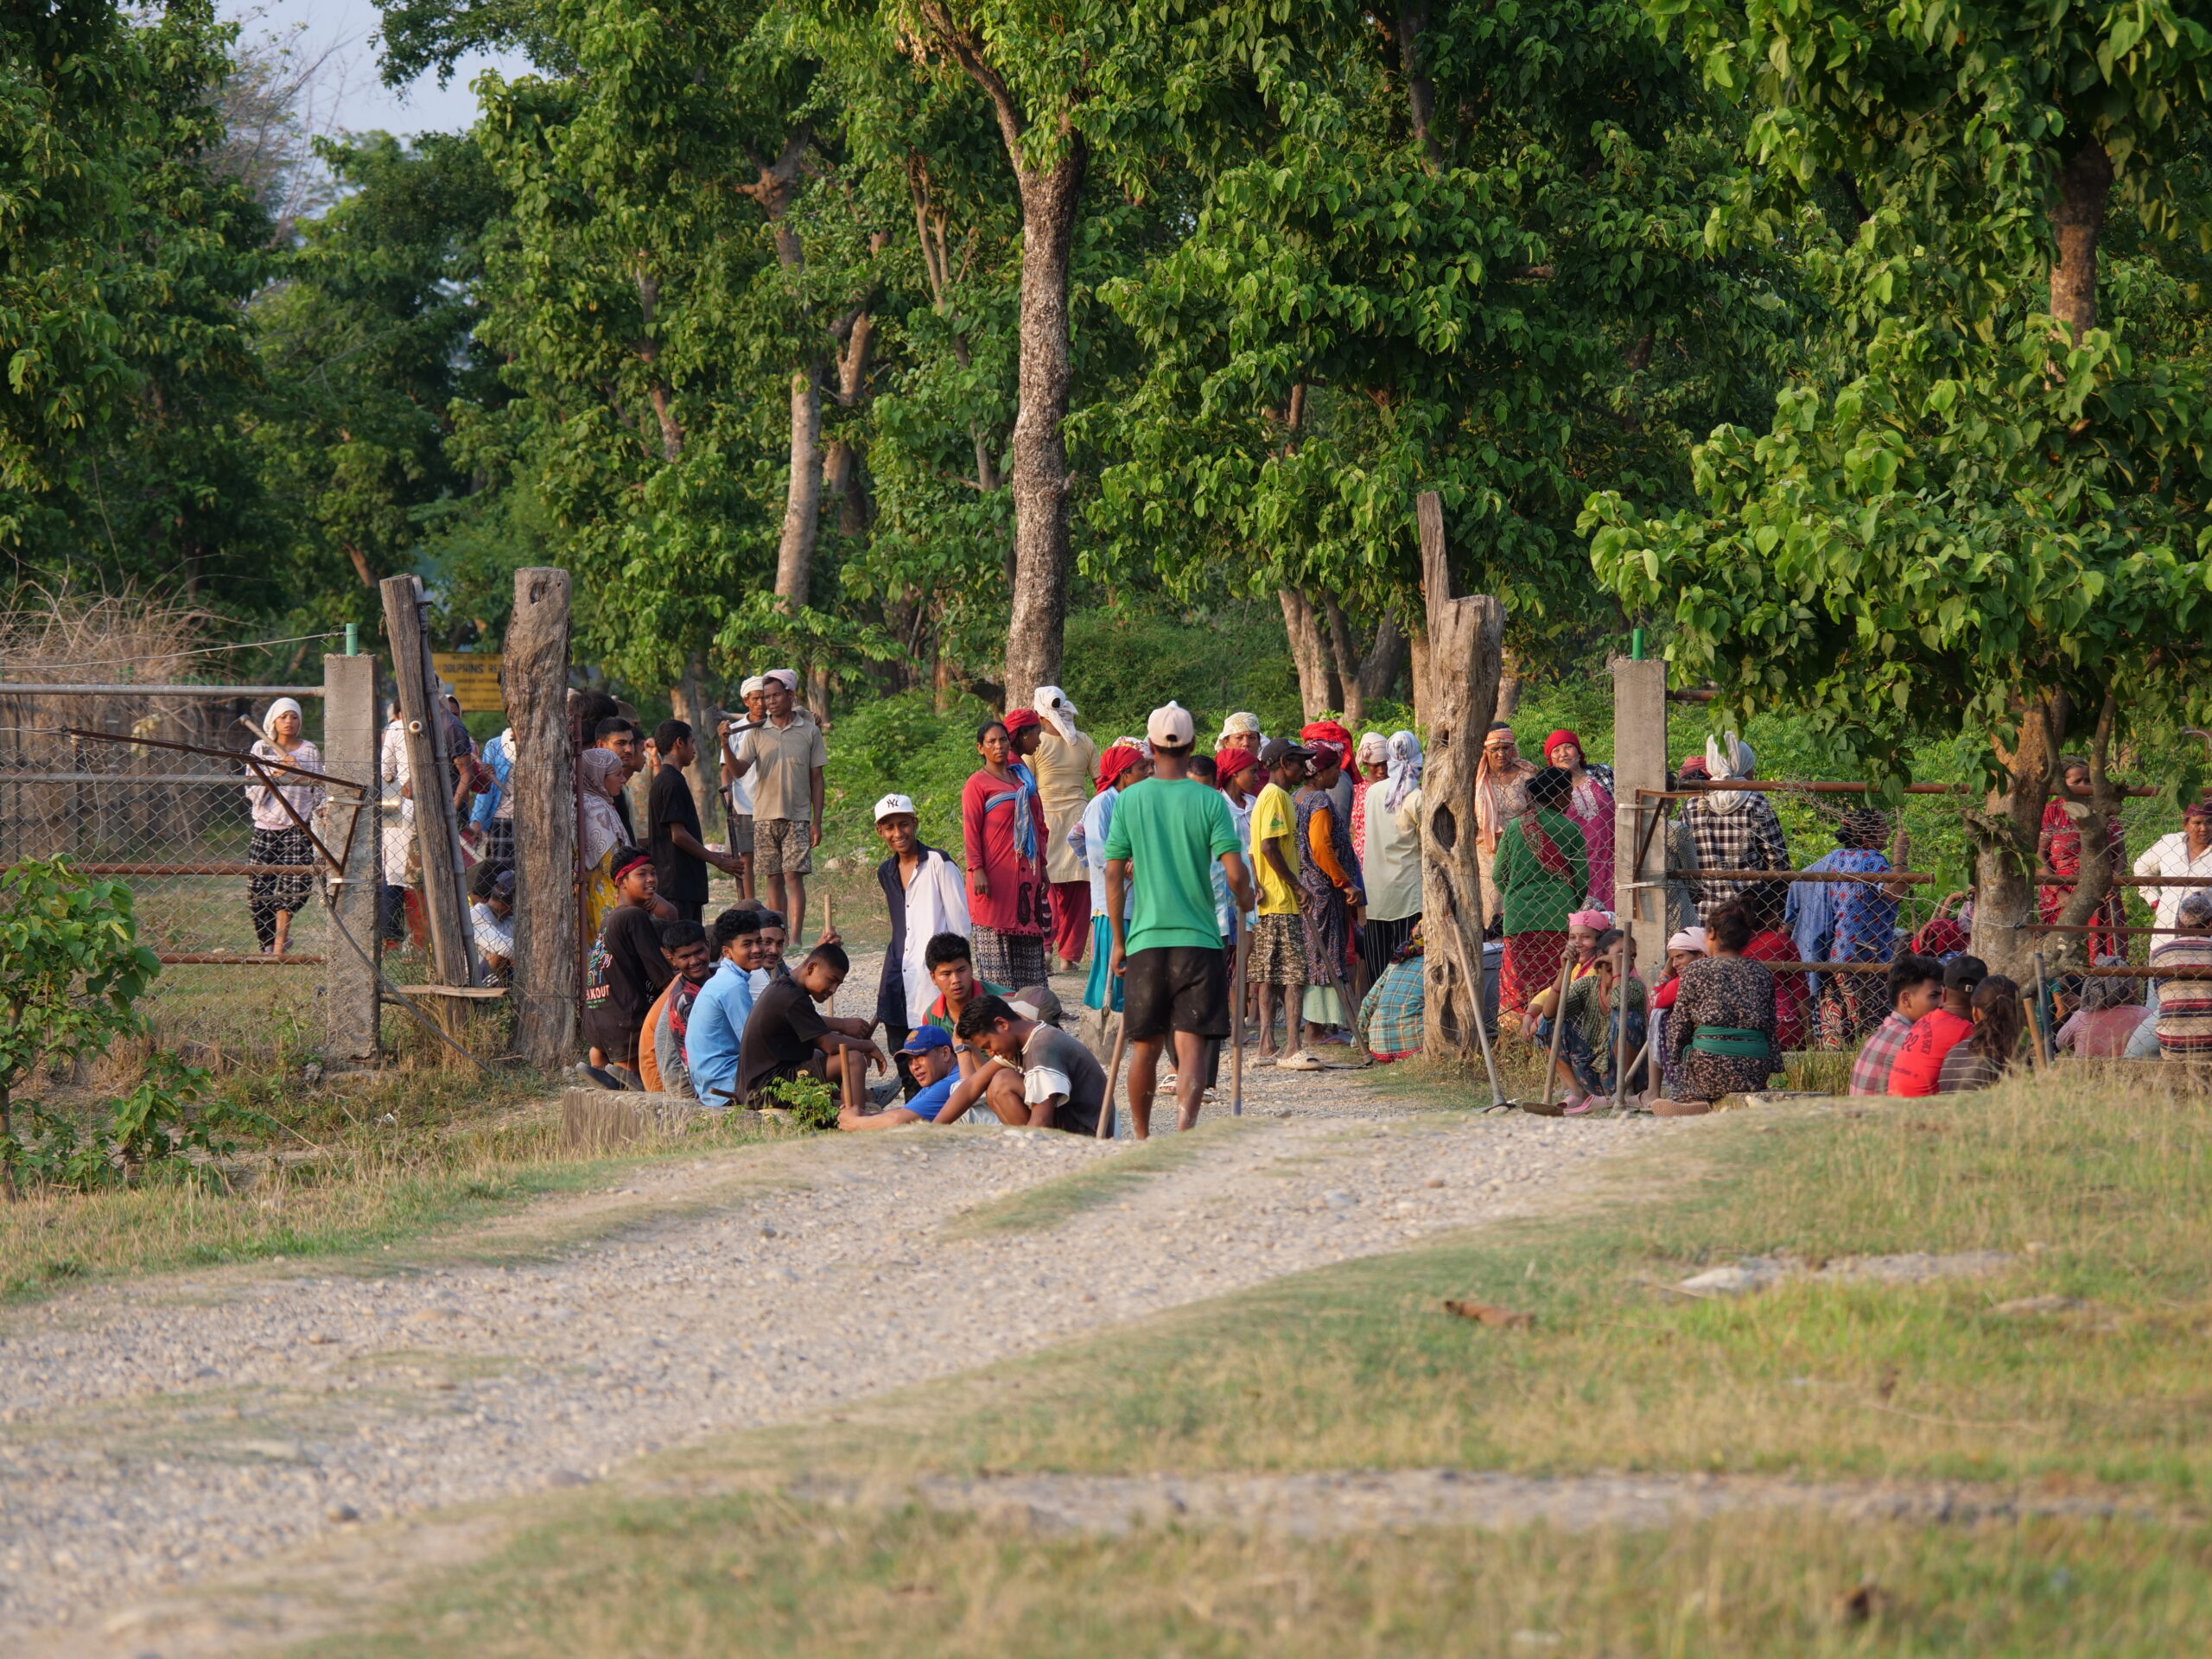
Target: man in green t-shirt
{"type": "Point", "coordinates": [1166, 833]}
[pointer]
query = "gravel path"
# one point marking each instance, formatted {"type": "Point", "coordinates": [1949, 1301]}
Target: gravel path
{"type": "Point", "coordinates": [154, 1434]}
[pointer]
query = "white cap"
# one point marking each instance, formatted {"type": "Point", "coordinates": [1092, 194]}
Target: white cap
{"type": "Point", "coordinates": [1170, 727]}
{"type": "Point", "coordinates": [790, 679]}
{"type": "Point", "coordinates": [752, 684]}
{"type": "Point", "coordinates": [891, 805]}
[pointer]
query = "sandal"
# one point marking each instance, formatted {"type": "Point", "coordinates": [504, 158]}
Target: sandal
{"type": "Point", "coordinates": [1299, 1060]}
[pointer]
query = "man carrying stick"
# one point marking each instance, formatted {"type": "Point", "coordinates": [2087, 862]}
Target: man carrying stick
{"type": "Point", "coordinates": [1167, 834]}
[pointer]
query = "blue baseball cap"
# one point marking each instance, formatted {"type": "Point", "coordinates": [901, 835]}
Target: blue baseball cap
{"type": "Point", "coordinates": [922, 1039]}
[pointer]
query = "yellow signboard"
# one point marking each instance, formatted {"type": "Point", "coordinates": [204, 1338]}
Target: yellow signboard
{"type": "Point", "coordinates": [474, 679]}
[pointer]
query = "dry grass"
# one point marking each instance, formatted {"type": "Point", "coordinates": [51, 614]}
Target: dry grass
{"type": "Point", "coordinates": [765, 1577]}
{"type": "Point", "coordinates": [366, 1162]}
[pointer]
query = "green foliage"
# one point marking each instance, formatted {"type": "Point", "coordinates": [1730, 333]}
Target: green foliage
{"type": "Point", "coordinates": [123, 266]}
{"type": "Point", "coordinates": [160, 1131]}
{"type": "Point", "coordinates": [811, 1101]}
{"type": "Point", "coordinates": [71, 973]}
{"type": "Point", "coordinates": [1966, 521]}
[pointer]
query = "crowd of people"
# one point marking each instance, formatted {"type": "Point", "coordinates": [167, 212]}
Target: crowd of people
{"type": "Point", "coordinates": [1159, 864]}
{"type": "Point", "coordinates": [1163, 867]}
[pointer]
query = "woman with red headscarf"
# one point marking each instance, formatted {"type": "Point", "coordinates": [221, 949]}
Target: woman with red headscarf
{"type": "Point", "coordinates": [1120, 766]}
{"type": "Point", "coordinates": [1589, 808]}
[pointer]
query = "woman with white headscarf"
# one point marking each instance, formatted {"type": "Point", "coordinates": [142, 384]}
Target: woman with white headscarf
{"type": "Point", "coordinates": [1392, 862]}
{"type": "Point", "coordinates": [602, 774]}
{"type": "Point", "coordinates": [280, 815]}
{"type": "Point", "coordinates": [1735, 830]}
{"type": "Point", "coordinates": [1066, 761]}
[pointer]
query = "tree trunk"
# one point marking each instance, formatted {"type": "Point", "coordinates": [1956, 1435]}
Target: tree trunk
{"type": "Point", "coordinates": [1317, 692]}
{"type": "Point", "coordinates": [1378, 671]}
{"type": "Point", "coordinates": [430, 775]}
{"type": "Point", "coordinates": [802, 498]}
{"type": "Point", "coordinates": [2007, 831]}
{"type": "Point", "coordinates": [1424, 696]}
{"type": "Point", "coordinates": [1036, 630]}
{"type": "Point", "coordinates": [689, 696]}
{"type": "Point", "coordinates": [2079, 219]}
{"type": "Point", "coordinates": [536, 675]}
{"type": "Point", "coordinates": [1344, 667]}
{"type": "Point", "coordinates": [1421, 90]}
{"type": "Point", "coordinates": [2094, 878]}
{"type": "Point", "coordinates": [1464, 637]}
{"type": "Point", "coordinates": [1509, 683]}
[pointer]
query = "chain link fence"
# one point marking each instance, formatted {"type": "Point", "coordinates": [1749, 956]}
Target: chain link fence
{"type": "Point", "coordinates": [107, 777]}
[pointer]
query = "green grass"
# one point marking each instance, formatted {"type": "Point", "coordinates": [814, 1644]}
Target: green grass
{"type": "Point", "coordinates": [1040, 1208]}
{"type": "Point", "coordinates": [761, 1576]}
{"type": "Point", "coordinates": [1358, 1366]}
{"type": "Point", "coordinates": [366, 1163]}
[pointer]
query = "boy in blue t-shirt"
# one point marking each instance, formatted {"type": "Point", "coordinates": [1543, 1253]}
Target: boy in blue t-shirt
{"type": "Point", "coordinates": [929, 1054]}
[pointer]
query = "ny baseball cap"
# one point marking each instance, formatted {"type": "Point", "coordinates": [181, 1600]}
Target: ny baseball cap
{"type": "Point", "coordinates": [892, 805]}
{"type": "Point", "coordinates": [1171, 728]}
{"type": "Point", "coordinates": [924, 1038]}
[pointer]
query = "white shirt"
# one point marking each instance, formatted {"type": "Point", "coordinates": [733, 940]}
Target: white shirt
{"type": "Point", "coordinates": [1097, 819]}
{"type": "Point", "coordinates": [2169, 855]}
{"type": "Point", "coordinates": [936, 902]}
{"type": "Point", "coordinates": [400, 832]}
{"type": "Point", "coordinates": [1392, 867]}
{"type": "Point", "coordinates": [741, 792]}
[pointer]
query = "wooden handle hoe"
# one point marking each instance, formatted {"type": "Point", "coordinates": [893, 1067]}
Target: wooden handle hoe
{"type": "Point", "coordinates": [1558, 1032]}
{"type": "Point", "coordinates": [1113, 1074]}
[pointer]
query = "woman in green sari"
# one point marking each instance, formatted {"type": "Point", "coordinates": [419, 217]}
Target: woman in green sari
{"type": "Point", "coordinates": [1542, 874]}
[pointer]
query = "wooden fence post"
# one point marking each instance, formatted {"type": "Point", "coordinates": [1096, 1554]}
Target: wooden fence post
{"type": "Point", "coordinates": [350, 742]}
{"type": "Point", "coordinates": [536, 675]}
{"type": "Point", "coordinates": [430, 778]}
{"type": "Point", "coordinates": [1465, 647]}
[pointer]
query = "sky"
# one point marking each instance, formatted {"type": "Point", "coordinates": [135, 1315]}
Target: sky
{"type": "Point", "coordinates": [359, 101]}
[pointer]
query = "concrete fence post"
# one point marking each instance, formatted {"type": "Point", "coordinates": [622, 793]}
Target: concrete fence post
{"type": "Point", "coordinates": [350, 741]}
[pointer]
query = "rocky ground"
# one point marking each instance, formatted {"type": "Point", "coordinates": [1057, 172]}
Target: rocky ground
{"type": "Point", "coordinates": [159, 1432]}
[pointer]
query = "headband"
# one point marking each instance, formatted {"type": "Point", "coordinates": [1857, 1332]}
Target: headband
{"type": "Point", "coordinates": [630, 864]}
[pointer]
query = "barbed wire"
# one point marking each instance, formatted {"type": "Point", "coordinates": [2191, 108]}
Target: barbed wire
{"type": "Point", "coordinates": [170, 656]}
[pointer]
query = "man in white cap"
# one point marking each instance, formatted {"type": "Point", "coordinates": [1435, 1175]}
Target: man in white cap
{"type": "Point", "coordinates": [753, 693]}
{"type": "Point", "coordinates": [1066, 761]}
{"type": "Point", "coordinates": [788, 753]}
{"type": "Point", "coordinates": [924, 892]}
{"type": "Point", "coordinates": [1167, 833]}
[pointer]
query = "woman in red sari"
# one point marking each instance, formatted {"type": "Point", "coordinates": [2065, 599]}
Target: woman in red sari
{"type": "Point", "coordinates": [2061, 853]}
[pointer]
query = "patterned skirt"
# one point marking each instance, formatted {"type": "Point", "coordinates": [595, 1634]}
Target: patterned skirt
{"type": "Point", "coordinates": [1014, 960]}
{"type": "Point", "coordinates": [289, 846]}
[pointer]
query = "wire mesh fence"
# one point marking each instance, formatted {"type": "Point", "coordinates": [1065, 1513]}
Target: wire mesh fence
{"type": "Point", "coordinates": [150, 785]}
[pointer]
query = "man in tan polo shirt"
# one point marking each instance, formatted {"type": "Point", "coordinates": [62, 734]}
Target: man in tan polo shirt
{"type": "Point", "coordinates": [788, 751]}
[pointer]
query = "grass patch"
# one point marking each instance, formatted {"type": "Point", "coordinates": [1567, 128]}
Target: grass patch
{"type": "Point", "coordinates": [1040, 1208]}
{"type": "Point", "coordinates": [1358, 1367]}
{"type": "Point", "coordinates": [668, 1578]}
{"type": "Point", "coordinates": [366, 1162]}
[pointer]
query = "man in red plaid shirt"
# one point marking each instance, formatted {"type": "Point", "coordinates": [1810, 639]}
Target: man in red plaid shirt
{"type": "Point", "coordinates": [1915, 986]}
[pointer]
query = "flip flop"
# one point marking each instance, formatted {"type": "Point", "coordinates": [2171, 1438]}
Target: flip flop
{"type": "Point", "coordinates": [1300, 1061]}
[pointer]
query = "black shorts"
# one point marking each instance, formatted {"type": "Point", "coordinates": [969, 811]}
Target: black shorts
{"type": "Point", "coordinates": [1175, 987]}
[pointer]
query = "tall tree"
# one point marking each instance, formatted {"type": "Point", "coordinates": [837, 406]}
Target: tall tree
{"type": "Point", "coordinates": [1986, 510]}
{"type": "Point", "coordinates": [1469, 256]}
